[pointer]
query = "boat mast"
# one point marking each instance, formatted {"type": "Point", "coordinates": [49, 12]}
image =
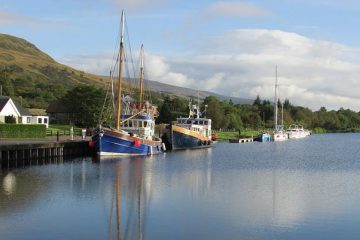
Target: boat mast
{"type": "Point", "coordinates": [198, 106]}
{"type": "Point", "coordinates": [282, 114]}
{"type": "Point", "coordinates": [141, 74]}
{"type": "Point", "coordinates": [120, 70]}
{"type": "Point", "coordinates": [276, 107]}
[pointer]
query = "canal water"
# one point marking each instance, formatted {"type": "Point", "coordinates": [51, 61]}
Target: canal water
{"type": "Point", "coordinates": [298, 189]}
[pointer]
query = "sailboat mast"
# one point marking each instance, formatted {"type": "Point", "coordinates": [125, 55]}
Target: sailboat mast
{"type": "Point", "coordinates": [120, 70]}
{"type": "Point", "coordinates": [141, 74]}
{"type": "Point", "coordinates": [282, 114]}
{"type": "Point", "coordinates": [276, 107]}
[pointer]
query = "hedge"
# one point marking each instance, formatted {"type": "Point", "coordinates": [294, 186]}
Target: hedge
{"type": "Point", "coordinates": [22, 130]}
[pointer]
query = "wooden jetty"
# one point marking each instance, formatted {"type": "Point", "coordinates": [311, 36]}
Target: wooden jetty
{"type": "Point", "coordinates": [241, 140]}
{"type": "Point", "coordinates": [34, 150]}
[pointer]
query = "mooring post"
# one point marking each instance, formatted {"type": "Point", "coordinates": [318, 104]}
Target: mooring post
{"type": "Point", "coordinates": [72, 133]}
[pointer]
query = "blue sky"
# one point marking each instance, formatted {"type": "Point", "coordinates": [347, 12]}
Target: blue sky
{"type": "Point", "coordinates": [228, 47]}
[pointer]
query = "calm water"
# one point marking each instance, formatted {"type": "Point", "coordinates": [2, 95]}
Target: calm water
{"type": "Point", "coordinates": [299, 189]}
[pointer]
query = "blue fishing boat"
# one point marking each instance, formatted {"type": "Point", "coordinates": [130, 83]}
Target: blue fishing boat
{"type": "Point", "coordinates": [134, 131]}
{"type": "Point", "coordinates": [263, 137]}
{"type": "Point", "coordinates": [189, 133]}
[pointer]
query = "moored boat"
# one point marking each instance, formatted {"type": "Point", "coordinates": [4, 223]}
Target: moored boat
{"type": "Point", "coordinates": [189, 133]}
{"type": "Point", "coordinates": [134, 131]}
{"type": "Point", "coordinates": [297, 131]}
{"type": "Point", "coordinates": [279, 133]}
{"type": "Point", "coordinates": [263, 137]}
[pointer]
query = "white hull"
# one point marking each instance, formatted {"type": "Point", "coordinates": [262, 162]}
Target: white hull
{"type": "Point", "coordinates": [280, 136]}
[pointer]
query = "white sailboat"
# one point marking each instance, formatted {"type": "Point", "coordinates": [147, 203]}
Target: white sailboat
{"type": "Point", "coordinates": [279, 133]}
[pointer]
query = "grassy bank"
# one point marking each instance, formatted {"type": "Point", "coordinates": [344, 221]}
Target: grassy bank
{"type": "Point", "coordinates": [225, 136]}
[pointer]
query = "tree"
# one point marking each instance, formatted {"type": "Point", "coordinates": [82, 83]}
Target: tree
{"type": "Point", "coordinates": [215, 112]}
{"type": "Point", "coordinates": [86, 102]}
{"type": "Point", "coordinates": [287, 105]}
{"type": "Point", "coordinates": [165, 111]}
{"type": "Point", "coordinates": [257, 101]}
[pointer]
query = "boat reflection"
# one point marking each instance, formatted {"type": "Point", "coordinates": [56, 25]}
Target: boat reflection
{"type": "Point", "coordinates": [130, 196]}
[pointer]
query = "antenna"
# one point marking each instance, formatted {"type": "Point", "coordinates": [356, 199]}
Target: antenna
{"type": "Point", "coordinates": [276, 107]}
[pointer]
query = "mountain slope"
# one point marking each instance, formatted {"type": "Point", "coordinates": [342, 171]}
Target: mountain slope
{"type": "Point", "coordinates": [35, 79]}
{"type": "Point", "coordinates": [24, 59]}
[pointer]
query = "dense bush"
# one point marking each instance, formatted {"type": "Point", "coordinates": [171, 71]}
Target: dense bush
{"type": "Point", "coordinates": [10, 119]}
{"type": "Point", "coordinates": [22, 130]}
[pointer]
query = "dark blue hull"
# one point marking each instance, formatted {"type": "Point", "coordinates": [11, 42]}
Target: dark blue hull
{"type": "Point", "coordinates": [184, 141]}
{"type": "Point", "coordinates": [109, 145]}
{"type": "Point", "coordinates": [263, 138]}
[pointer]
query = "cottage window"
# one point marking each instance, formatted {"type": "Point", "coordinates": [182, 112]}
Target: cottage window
{"type": "Point", "coordinates": [45, 120]}
{"type": "Point", "coordinates": [39, 120]}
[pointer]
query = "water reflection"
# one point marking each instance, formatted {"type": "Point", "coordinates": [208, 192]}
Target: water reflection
{"type": "Point", "coordinates": [9, 184]}
{"type": "Point", "coordinates": [248, 192]}
{"type": "Point", "coordinates": [129, 196]}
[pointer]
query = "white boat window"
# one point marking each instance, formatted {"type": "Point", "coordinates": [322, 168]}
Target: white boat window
{"type": "Point", "coordinates": [130, 123]}
{"type": "Point", "coordinates": [145, 124]}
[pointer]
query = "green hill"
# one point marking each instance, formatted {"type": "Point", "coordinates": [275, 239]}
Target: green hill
{"type": "Point", "coordinates": [33, 77]}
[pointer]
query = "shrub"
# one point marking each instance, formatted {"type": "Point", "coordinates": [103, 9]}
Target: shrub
{"type": "Point", "coordinates": [10, 119]}
{"type": "Point", "coordinates": [22, 130]}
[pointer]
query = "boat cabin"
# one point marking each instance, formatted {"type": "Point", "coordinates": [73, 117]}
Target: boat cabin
{"type": "Point", "coordinates": [200, 125]}
{"type": "Point", "coordinates": [142, 126]}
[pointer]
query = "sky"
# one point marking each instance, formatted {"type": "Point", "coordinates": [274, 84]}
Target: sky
{"type": "Point", "coordinates": [227, 47]}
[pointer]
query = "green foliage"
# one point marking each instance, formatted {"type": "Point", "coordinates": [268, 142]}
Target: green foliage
{"type": "Point", "coordinates": [260, 115]}
{"type": "Point", "coordinates": [22, 130]}
{"type": "Point", "coordinates": [319, 130]}
{"type": "Point", "coordinates": [10, 119]}
{"type": "Point", "coordinates": [86, 102]}
{"type": "Point", "coordinates": [172, 108]}
{"type": "Point", "coordinates": [27, 72]}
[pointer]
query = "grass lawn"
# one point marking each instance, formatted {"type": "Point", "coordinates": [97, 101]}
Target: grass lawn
{"type": "Point", "coordinates": [224, 136]}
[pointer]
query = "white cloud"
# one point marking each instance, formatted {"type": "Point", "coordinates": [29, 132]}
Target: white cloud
{"type": "Point", "coordinates": [311, 73]}
{"type": "Point", "coordinates": [234, 9]}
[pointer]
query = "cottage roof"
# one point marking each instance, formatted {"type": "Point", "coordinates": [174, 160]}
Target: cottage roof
{"type": "Point", "coordinates": [3, 101]}
{"type": "Point", "coordinates": [21, 110]}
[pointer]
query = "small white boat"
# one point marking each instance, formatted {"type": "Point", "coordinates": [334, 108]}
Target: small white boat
{"type": "Point", "coordinates": [297, 131]}
{"type": "Point", "coordinates": [280, 135]}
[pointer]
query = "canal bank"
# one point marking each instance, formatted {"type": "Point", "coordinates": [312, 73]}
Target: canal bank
{"type": "Point", "coordinates": [14, 150]}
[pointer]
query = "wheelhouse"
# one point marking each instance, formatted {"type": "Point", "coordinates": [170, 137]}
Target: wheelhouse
{"type": "Point", "coordinates": [200, 125]}
{"type": "Point", "coordinates": [143, 126]}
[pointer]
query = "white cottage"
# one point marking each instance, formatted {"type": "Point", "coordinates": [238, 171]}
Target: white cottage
{"type": "Point", "coordinates": [8, 107]}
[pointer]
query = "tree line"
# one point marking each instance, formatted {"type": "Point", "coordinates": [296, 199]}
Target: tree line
{"type": "Point", "coordinates": [86, 101]}
{"type": "Point", "coordinates": [260, 115]}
